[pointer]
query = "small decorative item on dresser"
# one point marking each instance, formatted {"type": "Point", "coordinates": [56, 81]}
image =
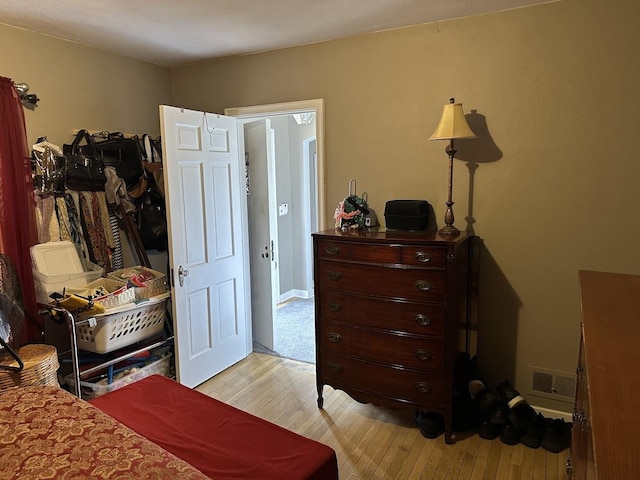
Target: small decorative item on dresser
{"type": "Point", "coordinates": [352, 211]}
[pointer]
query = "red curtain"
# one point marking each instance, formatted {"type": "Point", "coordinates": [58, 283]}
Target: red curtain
{"type": "Point", "coordinates": [18, 230]}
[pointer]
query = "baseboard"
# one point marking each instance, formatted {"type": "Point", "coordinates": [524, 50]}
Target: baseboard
{"type": "Point", "coordinates": [550, 413]}
{"type": "Point", "coordinates": [294, 293]}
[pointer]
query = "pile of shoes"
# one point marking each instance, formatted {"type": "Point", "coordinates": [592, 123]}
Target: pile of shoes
{"type": "Point", "coordinates": [506, 414]}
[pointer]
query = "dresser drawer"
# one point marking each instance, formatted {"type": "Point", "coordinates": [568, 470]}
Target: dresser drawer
{"type": "Point", "coordinates": [399, 315]}
{"type": "Point", "coordinates": [414, 256]}
{"type": "Point", "coordinates": [398, 349]}
{"type": "Point", "coordinates": [410, 284]}
{"type": "Point", "coordinates": [370, 252]}
{"type": "Point", "coordinates": [410, 385]}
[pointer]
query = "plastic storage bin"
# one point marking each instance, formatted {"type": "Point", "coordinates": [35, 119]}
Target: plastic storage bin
{"type": "Point", "coordinates": [56, 265]}
{"type": "Point", "coordinates": [120, 327]}
{"type": "Point", "coordinates": [92, 389]}
{"type": "Point", "coordinates": [53, 258]}
{"type": "Point", "coordinates": [45, 284]}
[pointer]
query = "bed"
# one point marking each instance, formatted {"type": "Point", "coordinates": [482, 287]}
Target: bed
{"type": "Point", "coordinates": [154, 428]}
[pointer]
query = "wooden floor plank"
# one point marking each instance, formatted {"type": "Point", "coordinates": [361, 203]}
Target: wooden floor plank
{"type": "Point", "coordinates": [370, 442]}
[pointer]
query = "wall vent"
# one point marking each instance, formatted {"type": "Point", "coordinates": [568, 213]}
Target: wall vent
{"type": "Point", "coordinates": [552, 384]}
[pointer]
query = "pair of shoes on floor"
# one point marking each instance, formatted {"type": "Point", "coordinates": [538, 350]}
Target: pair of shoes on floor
{"type": "Point", "coordinates": [557, 435]}
{"type": "Point", "coordinates": [430, 424]}
{"type": "Point", "coordinates": [521, 414]}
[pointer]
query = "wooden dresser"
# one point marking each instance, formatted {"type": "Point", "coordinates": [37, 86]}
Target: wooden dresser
{"type": "Point", "coordinates": [605, 442]}
{"type": "Point", "coordinates": [391, 316]}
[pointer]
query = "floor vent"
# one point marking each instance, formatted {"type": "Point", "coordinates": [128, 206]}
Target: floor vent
{"type": "Point", "coordinates": [552, 384]}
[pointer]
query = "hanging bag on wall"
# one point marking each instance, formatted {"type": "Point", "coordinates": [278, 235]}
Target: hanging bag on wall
{"type": "Point", "coordinates": [152, 220]}
{"type": "Point", "coordinates": [84, 171]}
{"type": "Point", "coordinates": [125, 155]}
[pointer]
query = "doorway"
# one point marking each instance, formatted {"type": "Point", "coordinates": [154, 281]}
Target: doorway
{"type": "Point", "coordinates": [282, 268]}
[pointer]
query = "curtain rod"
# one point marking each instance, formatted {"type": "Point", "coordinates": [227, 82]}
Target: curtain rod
{"type": "Point", "coordinates": [29, 100]}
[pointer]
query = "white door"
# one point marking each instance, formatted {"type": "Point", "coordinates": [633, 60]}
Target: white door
{"type": "Point", "coordinates": [259, 145]}
{"type": "Point", "coordinates": [206, 211]}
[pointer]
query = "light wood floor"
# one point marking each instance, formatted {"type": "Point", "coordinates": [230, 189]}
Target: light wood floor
{"type": "Point", "coordinates": [370, 442]}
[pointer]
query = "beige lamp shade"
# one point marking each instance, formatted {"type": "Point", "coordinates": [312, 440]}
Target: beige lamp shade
{"type": "Point", "coordinates": [452, 124]}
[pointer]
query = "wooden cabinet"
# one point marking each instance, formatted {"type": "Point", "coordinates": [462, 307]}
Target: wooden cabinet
{"type": "Point", "coordinates": [392, 311]}
{"type": "Point", "coordinates": [606, 418]}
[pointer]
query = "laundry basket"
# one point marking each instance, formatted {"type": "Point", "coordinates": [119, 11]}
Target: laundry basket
{"type": "Point", "coordinates": [122, 326]}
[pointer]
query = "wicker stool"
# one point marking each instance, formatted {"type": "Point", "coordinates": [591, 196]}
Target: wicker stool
{"type": "Point", "coordinates": [40, 367]}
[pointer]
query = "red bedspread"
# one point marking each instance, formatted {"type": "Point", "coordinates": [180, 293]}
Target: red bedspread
{"type": "Point", "coordinates": [47, 433]}
{"type": "Point", "coordinates": [219, 440]}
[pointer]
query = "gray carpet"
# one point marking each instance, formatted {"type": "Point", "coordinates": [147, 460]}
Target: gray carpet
{"type": "Point", "coordinates": [295, 330]}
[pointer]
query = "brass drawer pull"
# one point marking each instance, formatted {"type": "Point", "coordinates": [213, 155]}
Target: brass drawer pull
{"type": "Point", "coordinates": [335, 307]}
{"type": "Point", "coordinates": [423, 320]}
{"type": "Point", "coordinates": [423, 285]}
{"type": "Point", "coordinates": [333, 250]}
{"type": "Point", "coordinates": [422, 257]}
{"type": "Point", "coordinates": [423, 355]}
{"type": "Point", "coordinates": [334, 275]}
{"type": "Point", "coordinates": [335, 367]}
{"type": "Point", "coordinates": [423, 388]}
{"type": "Point", "coordinates": [335, 337]}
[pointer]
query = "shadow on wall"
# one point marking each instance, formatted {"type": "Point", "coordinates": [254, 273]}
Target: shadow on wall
{"type": "Point", "coordinates": [498, 323]}
{"type": "Point", "coordinates": [476, 151]}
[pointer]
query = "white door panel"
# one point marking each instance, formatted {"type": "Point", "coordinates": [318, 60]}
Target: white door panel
{"type": "Point", "coordinates": [206, 211]}
{"type": "Point", "coordinates": [258, 138]}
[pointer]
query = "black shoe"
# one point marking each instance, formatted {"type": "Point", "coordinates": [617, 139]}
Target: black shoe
{"type": "Point", "coordinates": [535, 432]}
{"type": "Point", "coordinates": [557, 435]}
{"type": "Point", "coordinates": [499, 415]}
{"type": "Point", "coordinates": [430, 424]}
{"type": "Point", "coordinates": [488, 430]}
{"type": "Point", "coordinates": [486, 401]}
{"type": "Point", "coordinates": [521, 414]}
{"type": "Point", "coordinates": [510, 435]}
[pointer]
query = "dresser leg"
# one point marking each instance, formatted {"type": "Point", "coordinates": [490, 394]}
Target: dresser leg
{"type": "Point", "coordinates": [320, 399]}
{"type": "Point", "coordinates": [449, 438]}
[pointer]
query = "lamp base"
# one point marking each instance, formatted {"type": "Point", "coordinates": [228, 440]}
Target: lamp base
{"type": "Point", "coordinates": [449, 231]}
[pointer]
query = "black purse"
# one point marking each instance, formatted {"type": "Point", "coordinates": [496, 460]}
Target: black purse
{"type": "Point", "coordinates": [152, 220]}
{"type": "Point", "coordinates": [125, 155]}
{"type": "Point", "coordinates": [84, 171]}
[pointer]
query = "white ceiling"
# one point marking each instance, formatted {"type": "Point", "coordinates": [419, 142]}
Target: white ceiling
{"type": "Point", "coordinates": [172, 33]}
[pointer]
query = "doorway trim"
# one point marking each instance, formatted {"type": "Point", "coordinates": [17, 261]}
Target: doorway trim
{"type": "Point", "coordinates": [314, 105]}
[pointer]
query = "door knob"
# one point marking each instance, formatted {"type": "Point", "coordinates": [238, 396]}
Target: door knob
{"type": "Point", "coordinates": [182, 272]}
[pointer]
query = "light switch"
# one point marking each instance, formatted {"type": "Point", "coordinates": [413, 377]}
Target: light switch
{"type": "Point", "coordinates": [283, 209]}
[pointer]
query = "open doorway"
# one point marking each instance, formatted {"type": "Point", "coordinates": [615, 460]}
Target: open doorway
{"type": "Point", "coordinates": [285, 175]}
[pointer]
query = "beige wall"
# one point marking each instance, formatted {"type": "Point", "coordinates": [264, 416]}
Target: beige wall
{"type": "Point", "coordinates": [554, 184]}
{"type": "Point", "coordinates": [81, 87]}
{"type": "Point", "coordinates": [557, 169]}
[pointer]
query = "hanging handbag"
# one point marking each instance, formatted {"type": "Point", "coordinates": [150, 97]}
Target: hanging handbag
{"type": "Point", "coordinates": [84, 171]}
{"type": "Point", "coordinates": [152, 220]}
{"type": "Point", "coordinates": [125, 155]}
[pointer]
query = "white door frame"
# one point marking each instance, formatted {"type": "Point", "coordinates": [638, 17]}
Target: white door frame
{"type": "Point", "coordinates": [315, 105]}
{"type": "Point", "coordinates": [310, 175]}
